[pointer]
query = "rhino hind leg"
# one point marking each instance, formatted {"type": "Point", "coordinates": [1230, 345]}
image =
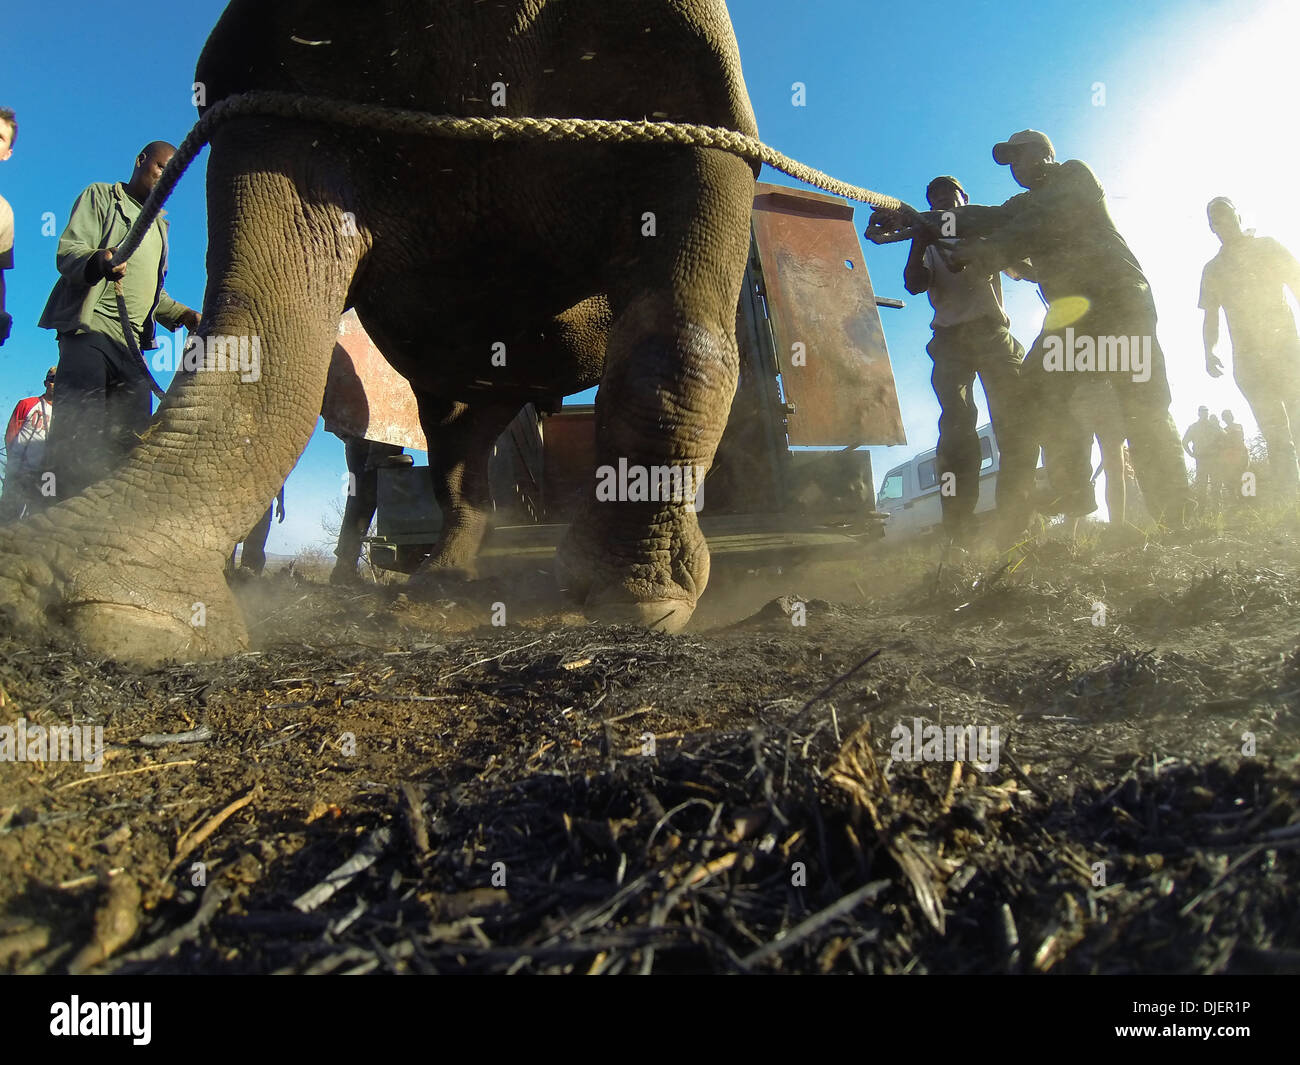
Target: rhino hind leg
{"type": "Point", "coordinates": [460, 437]}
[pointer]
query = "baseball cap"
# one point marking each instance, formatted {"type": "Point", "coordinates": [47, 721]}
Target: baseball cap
{"type": "Point", "coordinates": [1004, 151]}
{"type": "Point", "coordinates": [51, 372]}
{"type": "Point", "coordinates": [946, 179]}
{"type": "Point", "coordinates": [1221, 200]}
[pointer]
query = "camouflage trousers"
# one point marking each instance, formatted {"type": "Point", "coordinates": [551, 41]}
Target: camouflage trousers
{"type": "Point", "coordinates": [985, 348]}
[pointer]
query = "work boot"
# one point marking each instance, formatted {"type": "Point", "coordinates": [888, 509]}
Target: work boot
{"type": "Point", "coordinates": [1079, 504]}
{"type": "Point", "coordinates": [956, 535]}
{"type": "Point", "coordinates": [959, 529]}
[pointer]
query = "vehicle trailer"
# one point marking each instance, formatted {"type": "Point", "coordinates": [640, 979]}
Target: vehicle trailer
{"type": "Point", "coordinates": [788, 480]}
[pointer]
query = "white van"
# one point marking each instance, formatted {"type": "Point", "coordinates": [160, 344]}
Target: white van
{"type": "Point", "coordinates": [909, 494]}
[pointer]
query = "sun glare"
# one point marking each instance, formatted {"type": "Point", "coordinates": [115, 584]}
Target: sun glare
{"type": "Point", "coordinates": [1216, 119]}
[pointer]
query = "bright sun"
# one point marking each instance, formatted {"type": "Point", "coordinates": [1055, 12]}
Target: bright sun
{"type": "Point", "coordinates": [1216, 117]}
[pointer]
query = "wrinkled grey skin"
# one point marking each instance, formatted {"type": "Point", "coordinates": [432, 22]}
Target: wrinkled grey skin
{"type": "Point", "coordinates": [456, 246]}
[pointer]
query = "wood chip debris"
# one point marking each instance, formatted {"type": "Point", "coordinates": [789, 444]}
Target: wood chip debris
{"type": "Point", "coordinates": [161, 739]}
{"type": "Point", "coordinates": [116, 922]}
{"type": "Point", "coordinates": [376, 843]}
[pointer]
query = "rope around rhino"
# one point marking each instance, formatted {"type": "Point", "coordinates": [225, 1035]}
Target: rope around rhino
{"type": "Point", "coordinates": [396, 120]}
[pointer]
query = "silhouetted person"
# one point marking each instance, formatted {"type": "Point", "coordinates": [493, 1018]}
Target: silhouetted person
{"type": "Point", "coordinates": [1197, 442]}
{"type": "Point", "coordinates": [1235, 457]}
{"type": "Point", "coordinates": [1247, 279]}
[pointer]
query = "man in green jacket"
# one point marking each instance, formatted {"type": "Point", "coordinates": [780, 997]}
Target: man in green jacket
{"type": "Point", "coordinates": [104, 387]}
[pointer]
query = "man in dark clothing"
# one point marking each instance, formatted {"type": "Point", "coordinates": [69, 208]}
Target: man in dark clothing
{"type": "Point", "coordinates": [1247, 279]}
{"type": "Point", "coordinates": [104, 388]}
{"type": "Point", "coordinates": [1099, 302]}
{"type": "Point", "coordinates": [364, 457]}
{"type": "Point", "coordinates": [252, 560]}
{"type": "Point", "coordinates": [971, 336]}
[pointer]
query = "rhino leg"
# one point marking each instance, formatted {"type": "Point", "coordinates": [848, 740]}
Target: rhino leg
{"type": "Point", "coordinates": [670, 373]}
{"type": "Point", "coordinates": [460, 437]}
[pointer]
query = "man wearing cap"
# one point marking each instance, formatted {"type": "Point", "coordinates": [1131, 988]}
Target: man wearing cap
{"type": "Point", "coordinates": [104, 387]}
{"type": "Point", "coordinates": [25, 438]}
{"type": "Point", "coordinates": [971, 336]}
{"type": "Point", "coordinates": [1097, 295]}
{"type": "Point", "coordinates": [1247, 279]}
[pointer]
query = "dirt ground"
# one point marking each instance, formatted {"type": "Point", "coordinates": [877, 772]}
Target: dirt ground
{"type": "Point", "coordinates": [391, 784]}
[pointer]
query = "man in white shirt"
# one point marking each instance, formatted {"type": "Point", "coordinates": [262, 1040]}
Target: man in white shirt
{"type": "Point", "coordinates": [25, 438]}
{"type": "Point", "coordinates": [971, 336]}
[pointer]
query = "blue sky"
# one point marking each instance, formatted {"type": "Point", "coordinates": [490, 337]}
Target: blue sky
{"type": "Point", "coordinates": [1197, 102]}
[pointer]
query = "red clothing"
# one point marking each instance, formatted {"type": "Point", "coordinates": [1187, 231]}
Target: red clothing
{"type": "Point", "coordinates": [18, 417]}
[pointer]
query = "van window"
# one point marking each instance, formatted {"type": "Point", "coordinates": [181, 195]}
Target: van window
{"type": "Point", "coordinates": [892, 487]}
{"type": "Point", "coordinates": [986, 453]}
{"type": "Point", "coordinates": [925, 475]}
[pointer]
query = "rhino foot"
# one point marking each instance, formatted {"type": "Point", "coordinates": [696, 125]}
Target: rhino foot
{"type": "Point", "coordinates": [649, 572]}
{"type": "Point", "coordinates": [115, 603]}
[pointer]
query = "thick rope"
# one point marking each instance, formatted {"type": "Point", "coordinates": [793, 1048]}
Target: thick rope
{"type": "Point", "coordinates": [133, 344]}
{"type": "Point", "coordinates": [395, 120]}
